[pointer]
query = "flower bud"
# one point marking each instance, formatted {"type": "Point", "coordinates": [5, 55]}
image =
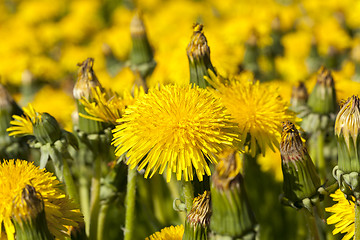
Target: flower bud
{"type": "Point", "coordinates": [323, 97]}
{"type": "Point", "coordinates": [198, 53]}
{"type": "Point", "coordinates": [198, 220]}
{"type": "Point", "coordinates": [46, 129]}
{"type": "Point", "coordinates": [141, 56]}
{"type": "Point", "coordinates": [347, 128]}
{"type": "Point", "coordinates": [300, 177]}
{"type": "Point", "coordinates": [29, 216]}
{"type": "Point", "coordinates": [232, 215]}
{"type": "Point", "coordinates": [86, 81]}
{"type": "Point", "coordinates": [299, 97]}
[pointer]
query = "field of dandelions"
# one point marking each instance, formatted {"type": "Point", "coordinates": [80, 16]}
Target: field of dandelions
{"type": "Point", "coordinates": [189, 119]}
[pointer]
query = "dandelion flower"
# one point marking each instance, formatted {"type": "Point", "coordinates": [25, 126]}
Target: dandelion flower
{"type": "Point", "coordinates": [60, 212]}
{"type": "Point", "coordinates": [258, 111]}
{"type": "Point", "coordinates": [108, 106]}
{"type": "Point", "coordinates": [168, 233]}
{"type": "Point", "coordinates": [23, 125]}
{"type": "Point", "coordinates": [174, 128]}
{"type": "Point", "coordinates": [344, 215]}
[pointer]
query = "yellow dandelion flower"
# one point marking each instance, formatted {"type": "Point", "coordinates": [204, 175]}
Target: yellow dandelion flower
{"type": "Point", "coordinates": [344, 215]}
{"type": "Point", "coordinates": [168, 233]}
{"type": "Point", "coordinates": [60, 211]}
{"type": "Point", "coordinates": [258, 110]}
{"type": "Point", "coordinates": [174, 128]}
{"type": "Point", "coordinates": [23, 125]}
{"type": "Point", "coordinates": [108, 106]}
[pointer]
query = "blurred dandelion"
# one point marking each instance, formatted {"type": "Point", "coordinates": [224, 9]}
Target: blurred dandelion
{"type": "Point", "coordinates": [258, 111]}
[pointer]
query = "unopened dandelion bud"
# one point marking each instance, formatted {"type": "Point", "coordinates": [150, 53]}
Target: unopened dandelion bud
{"type": "Point", "coordinates": [232, 215]}
{"type": "Point", "coordinates": [141, 56]}
{"type": "Point", "coordinates": [46, 129]}
{"type": "Point", "coordinates": [301, 180]}
{"type": "Point", "coordinates": [29, 216]}
{"type": "Point", "coordinates": [347, 127]}
{"type": "Point", "coordinates": [198, 220]}
{"type": "Point", "coordinates": [86, 81]}
{"type": "Point", "coordinates": [322, 99]}
{"type": "Point", "coordinates": [198, 53]}
{"type": "Point", "coordinates": [299, 97]}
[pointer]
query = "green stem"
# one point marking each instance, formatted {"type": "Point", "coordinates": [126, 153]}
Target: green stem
{"type": "Point", "coordinates": [69, 182]}
{"type": "Point", "coordinates": [311, 222]}
{"type": "Point", "coordinates": [95, 199]}
{"type": "Point", "coordinates": [84, 196]}
{"type": "Point", "coordinates": [102, 217]}
{"type": "Point", "coordinates": [357, 222]}
{"type": "Point", "coordinates": [320, 156]}
{"type": "Point", "coordinates": [130, 204]}
{"type": "Point", "coordinates": [188, 191]}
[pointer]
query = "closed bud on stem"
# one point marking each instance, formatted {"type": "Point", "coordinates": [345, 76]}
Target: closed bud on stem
{"type": "Point", "coordinates": [141, 56]}
{"type": "Point", "coordinates": [198, 53]}
{"type": "Point", "coordinates": [232, 215]}
{"type": "Point", "coordinates": [29, 216]}
{"type": "Point", "coordinates": [347, 128]}
{"type": "Point", "coordinates": [86, 81]}
{"type": "Point", "coordinates": [299, 97]}
{"type": "Point", "coordinates": [198, 220]}
{"type": "Point", "coordinates": [46, 129]}
{"type": "Point", "coordinates": [323, 97]}
{"type": "Point", "coordinates": [301, 180]}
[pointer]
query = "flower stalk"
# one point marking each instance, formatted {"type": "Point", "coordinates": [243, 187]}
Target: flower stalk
{"type": "Point", "coordinates": [130, 204]}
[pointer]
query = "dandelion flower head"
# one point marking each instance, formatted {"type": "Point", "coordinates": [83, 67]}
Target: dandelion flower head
{"type": "Point", "coordinates": [258, 110]}
{"type": "Point", "coordinates": [60, 211]}
{"type": "Point", "coordinates": [23, 125]}
{"type": "Point", "coordinates": [174, 128]}
{"type": "Point", "coordinates": [343, 215]}
{"type": "Point", "coordinates": [168, 233]}
{"type": "Point", "coordinates": [108, 106]}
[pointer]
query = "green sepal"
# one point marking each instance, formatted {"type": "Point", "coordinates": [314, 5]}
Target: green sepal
{"type": "Point", "coordinates": [348, 156]}
{"type": "Point", "coordinates": [231, 211]}
{"type": "Point", "coordinates": [348, 182]}
{"type": "Point", "coordinates": [47, 129]}
{"type": "Point", "coordinates": [49, 151]}
{"type": "Point", "coordinates": [96, 143]}
{"type": "Point", "coordinates": [198, 70]}
{"type": "Point", "coordinates": [195, 231]}
{"type": "Point", "coordinates": [33, 229]}
{"type": "Point", "coordinates": [300, 179]}
{"type": "Point", "coordinates": [87, 125]}
{"type": "Point", "coordinates": [141, 56]}
{"type": "Point", "coordinates": [323, 96]}
{"type": "Point", "coordinates": [33, 225]}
